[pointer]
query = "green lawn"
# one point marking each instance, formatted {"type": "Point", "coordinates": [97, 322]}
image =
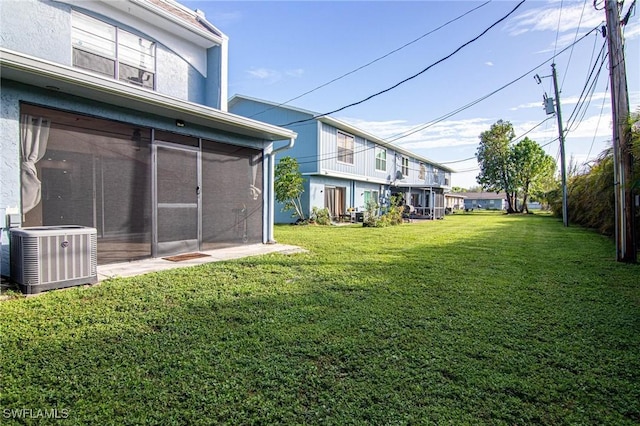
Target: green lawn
{"type": "Point", "coordinates": [479, 318]}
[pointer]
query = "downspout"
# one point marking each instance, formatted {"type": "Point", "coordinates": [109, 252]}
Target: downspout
{"type": "Point", "coordinates": [268, 237]}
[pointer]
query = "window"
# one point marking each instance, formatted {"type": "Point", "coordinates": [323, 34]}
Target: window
{"type": "Point", "coordinates": [345, 148]}
{"type": "Point", "coordinates": [423, 169]}
{"type": "Point", "coordinates": [373, 196]}
{"type": "Point", "coordinates": [112, 51]}
{"type": "Point", "coordinates": [381, 159]}
{"type": "Point", "coordinates": [405, 166]}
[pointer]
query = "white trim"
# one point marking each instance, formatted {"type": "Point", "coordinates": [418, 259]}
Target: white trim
{"type": "Point", "coordinates": [353, 148]}
{"type": "Point", "coordinates": [375, 158]}
{"type": "Point", "coordinates": [46, 74]}
{"type": "Point", "coordinates": [354, 177]}
{"type": "Point", "coordinates": [224, 73]}
{"type": "Point", "coordinates": [345, 127]}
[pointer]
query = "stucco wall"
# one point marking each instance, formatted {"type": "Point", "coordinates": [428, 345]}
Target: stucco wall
{"type": "Point", "coordinates": [42, 28]}
{"type": "Point", "coordinates": [37, 28]}
{"type": "Point", "coordinates": [9, 168]}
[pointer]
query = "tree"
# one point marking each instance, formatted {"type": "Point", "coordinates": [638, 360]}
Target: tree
{"type": "Point", "coordinates": [289, 186]}
{"type": "Point", "coordinates": [494, 159]}
{"type": "Point", "coordinates": [533, 168]}
{"type": "Point", "coordinates": [522, 168]}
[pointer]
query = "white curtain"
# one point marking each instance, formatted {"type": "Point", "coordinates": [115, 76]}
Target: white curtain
{"type": "Point", "coordinates": [34, 133]}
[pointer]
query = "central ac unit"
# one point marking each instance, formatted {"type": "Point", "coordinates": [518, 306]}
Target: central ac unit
{"type": "Point", "coordinates": [50, 257]}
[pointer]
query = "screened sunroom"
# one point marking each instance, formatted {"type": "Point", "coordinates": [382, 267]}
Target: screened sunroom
{"type": "Point", "coordinates": [147, 192]}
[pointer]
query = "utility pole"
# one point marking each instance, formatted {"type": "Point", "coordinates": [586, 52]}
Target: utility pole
{"type": "Point", "coordinates": [563, 167]}
{"type": "Point", "coordinates": [550, 109]}
{"type": "Point", "coordinates": [622, 157]}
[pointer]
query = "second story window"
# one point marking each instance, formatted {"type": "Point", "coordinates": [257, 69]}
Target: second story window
{"type": "Point", "coordinates": [381, 159]}
{"type": "Point", "coordinates": [405, 166]}
{"type": "Point", "coordinates": [422, 171]}
{"type": "Point", "coordinates": [112, 51]}
{"type": "Point", "coordinates": [346, 145]}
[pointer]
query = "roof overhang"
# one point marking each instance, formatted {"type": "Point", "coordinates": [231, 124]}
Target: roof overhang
{"type": "Point", "coordinates": [417, 186]}
{"type": "Point", "coordinates": [341, 125]}
{"type": "Point", "coordinates": [199, 32]}
{"type": "Point", "coordinates": [63, 79]}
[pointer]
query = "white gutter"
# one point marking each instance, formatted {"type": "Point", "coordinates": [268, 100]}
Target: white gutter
{"type": "Point", "coordinates": [269, 200]}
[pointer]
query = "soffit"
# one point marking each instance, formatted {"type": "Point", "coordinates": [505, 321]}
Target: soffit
{"type": "Point", "coordinates": [72, 81]}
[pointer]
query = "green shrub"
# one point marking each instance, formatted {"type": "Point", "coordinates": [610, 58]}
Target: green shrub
{"type": "Point", "coordinates": [371, 217]}
{"type": "Point", "coordinates": [320, 216]}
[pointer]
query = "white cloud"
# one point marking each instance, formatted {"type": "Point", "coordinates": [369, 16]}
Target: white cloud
{"type": "Point", "coordinates": [273, 76]}
{"type": "Point", "coordinates": [263, 73]}
{"type": "Point", "coordinates": [443, 134]}
{"type": "Point", "coordinates": [489, 63]}
{"type": "Point", "coordinates": [632, 30]}
{"type": "Point", "coordinates": [460, 133]}
{"type": "Point", "coordinates": [570, 100]}
{"type": "Point", "coordinates": [298, 72]}
{"type": "Point", "coordinates": [546, 18]}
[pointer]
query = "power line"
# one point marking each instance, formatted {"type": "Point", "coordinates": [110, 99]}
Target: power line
{"type": "Point", "coordinates": [515, 139]}
{"type": "Point", "coordinates": [604, 99]}
{"type": "Point", "coordinates": [584, 5]}
{"type": "Point", "coordinates": [452, 113]}
{"type": "Point", "coordinates": [591, 88]}
{"type": "Point", "coordinates": [482, 98]}
{"type": "Point", "coordinates": [413, 76]}
{"type": "Point", "coordinates": [555, 47]}
{"type": "Point", "coordinates": [373, 61]}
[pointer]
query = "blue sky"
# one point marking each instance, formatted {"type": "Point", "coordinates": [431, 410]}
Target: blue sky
{"type": "Point", "coordinates": [279, 50]}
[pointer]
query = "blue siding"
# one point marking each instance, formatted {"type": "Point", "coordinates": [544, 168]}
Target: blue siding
{"type": "Point", "coordinates": [316, 150]}
{"type": "Point", "coordinates": [305, 149]}
{"type": "Point", "coordinates": [212, 91]}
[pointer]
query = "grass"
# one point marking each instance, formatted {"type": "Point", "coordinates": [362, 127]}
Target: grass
{"type": "Point", "coordinates": [480, 318]}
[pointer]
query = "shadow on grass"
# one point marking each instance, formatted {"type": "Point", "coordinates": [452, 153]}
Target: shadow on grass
{"type": "Point", "coordinates": [508, 321]}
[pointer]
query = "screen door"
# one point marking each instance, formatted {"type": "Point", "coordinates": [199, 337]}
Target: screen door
{"type": "Point", "coordinates": [178, 199]}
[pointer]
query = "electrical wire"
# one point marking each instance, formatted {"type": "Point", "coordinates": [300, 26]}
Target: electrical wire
{"type": "Point", "coordinates": [555, 47]}
{"type": "Point", "coordinates": [478, 100]}
{"type": "Point", "coordinates": [373, 61]}
{"type": "Point", "coordinates": [515, 139]}
{"type": "Point", "coordinates": [315, 158]}
{"type": "Point", "coordinates": [606, 90]}
{"type": "Point", "coordinates": [584, 5]}
{"type": "Point", "coordinates": [414, 75]}
{"type": "Point", "coordinates": [581, 105]}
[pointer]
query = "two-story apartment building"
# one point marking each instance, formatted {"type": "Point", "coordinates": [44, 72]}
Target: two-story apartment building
{"type": "Point", "coordinates": [345, 166]}
{"type": "Point", "coordinates": [114, 116]}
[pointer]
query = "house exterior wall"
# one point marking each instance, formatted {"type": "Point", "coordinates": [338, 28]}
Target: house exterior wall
{"type": "Point", "coordinates": [185, 71]}
{"type": "Point", "coordinates": [194, 74]}
{"type": "Point", "coordinates": [46, 22]}
{"type": "Point", "coordinates": [317, 153]}
{"type": "Point", "coordinates": [306, 148]}
{"type": "Point", "coordinates": [485, 203]}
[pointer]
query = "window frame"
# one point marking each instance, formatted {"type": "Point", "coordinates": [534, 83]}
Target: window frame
{"type": "Point", "coordinates": [117, 43]}
{"type": "Point", "coordinates": [343, 153]}
{"type": "Point", "coordinates": [382, 161]}
{"type": "Point", "coordinates": [405, 166]}
{"type": "Point", "coordinates": [371, 194]}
